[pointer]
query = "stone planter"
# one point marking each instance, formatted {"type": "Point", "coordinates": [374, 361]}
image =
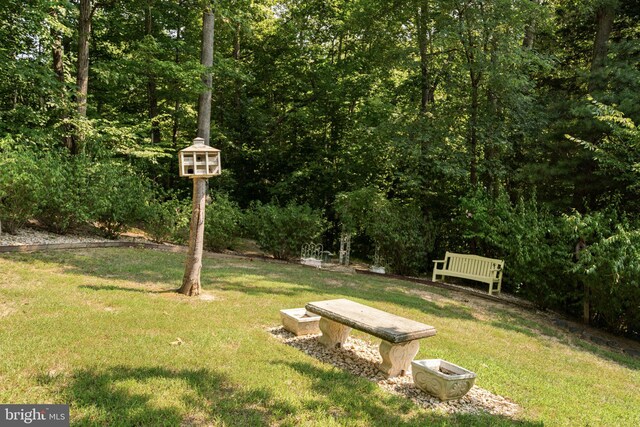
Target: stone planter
{"type": "Point", "coordinates": [377, 269]}
{"type": "Point", "coordinates": [442, 379]}
{"type": "Point", "coordinates": [300, 321]}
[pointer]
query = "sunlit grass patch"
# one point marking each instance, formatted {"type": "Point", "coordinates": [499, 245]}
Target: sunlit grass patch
{"type": "Point", "coordinates": [103, 331]}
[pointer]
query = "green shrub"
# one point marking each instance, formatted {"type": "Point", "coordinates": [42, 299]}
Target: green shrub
{"type": "Point", "coordinates": [65, 192]}
{"type": "Point", "coordinates": [119, 197]}
{"type": "Point", "coordinates": [222, 223]}
{"type": "Point", "coordinates": [168, 221]}
{"type": "Point", "coordinates": [357, 208]}
{"type": "Point", "coordinates": [609, 266]}
{"type": "Point", "coordinates": [282, 231]}
{"type": "Point", "coordinates": [535, 246]}
{"type": "Point", "coordinates": [19, 189]}
{"type": "Point", "coordinates": [403, 235]}
{"type": "Point", "coordinates": [400, 231]}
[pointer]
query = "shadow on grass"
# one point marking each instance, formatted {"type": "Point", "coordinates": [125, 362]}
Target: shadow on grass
{"type": "Point", "coordinates": [123, 396]}
{"type": "Point", "coordinates": [512, 322]}
{"type": "Point", "coordinates": [114, 397]}
{"type": "Point", "coordinates": [125, 289]}
{"type": "Point", "coordinates": [366, 288]}
{"type": "Point", "coordinates": [148, 266]}
{"type": "Point", "coordinates": [288, 280]}
{"type": "Point", "coordinates": [346, 397]}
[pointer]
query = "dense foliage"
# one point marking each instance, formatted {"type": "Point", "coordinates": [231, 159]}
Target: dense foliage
{"type": "Point", "coordinates": [18, 191]}
{"type": "Point", "coordinates": [282, 230]}
{"type": "Point", "coordinates": [168, 220]}
{"type": "Point", "coordinates": [401, 233]}
{"type": "Point", "coordinates": [469, 125]}
{"type": "Point", "coordinates": [223, 220]}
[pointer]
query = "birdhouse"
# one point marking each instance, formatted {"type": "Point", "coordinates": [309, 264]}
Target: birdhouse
{"type": "Point", "coordinates": [199, 160]}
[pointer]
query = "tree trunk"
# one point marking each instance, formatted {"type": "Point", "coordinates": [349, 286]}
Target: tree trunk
{"type": "Point", "coordinates": [84, 30]}
{"type": "Point", "coordinates": [176, 123]}
{"type": "Point", "coordinates": [604, 19]}
{"type": "Point", "coordinates": [58, 69]}
{"type": "Point", "coordinates": [530, 30]}
{"type": "Point", "coordinates": [151, 83]}
{"type": "Point", "coordinates": [475, 77]}
{"type": "Point", "coordinates": [236, 57]}
{"type": "Point", "coordinates": [82, 80]}
{"type": "Point", "coordinates": [473, 128]}
{"type": "Point", "coordinates": [58, 55]}
{"type": "Point", "coordinates": [529, 36]}
{"type": "Point", "coordinates": [176, 108]}
{"type": "Point", "coordinates": [423, 40]}
{"type": "Point", "coordinates": [586, 299]}
{"type": "Point", "coordinates": [206, 58]}
{"type": "Point", "coordinates": [493, 129]}
{"type": "Point", "coordinates": [191, 279]}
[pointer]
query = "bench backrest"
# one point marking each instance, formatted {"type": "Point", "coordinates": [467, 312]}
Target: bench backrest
{"type": "Point", "coordinates": [472, 264]}
{"type": "Point", "coordinates": [312, 250]}
{"type": "Point", "coordinates": [386, 326]}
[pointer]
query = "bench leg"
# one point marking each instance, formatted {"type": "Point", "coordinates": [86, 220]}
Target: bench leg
{"type": "Point", "coordinates": [434, 278]}
{"type": "Point", "coordinates": [396, 358]}
{"type": "Point", "coordinates": [334, 334]}
{"type": "Point", "coordinates": [493, 289]}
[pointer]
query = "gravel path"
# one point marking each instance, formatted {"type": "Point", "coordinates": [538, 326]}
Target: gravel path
{"type": "Point", "coordinates": [30, 236]}
{"type": "Point", "coordinates": [361, 358]}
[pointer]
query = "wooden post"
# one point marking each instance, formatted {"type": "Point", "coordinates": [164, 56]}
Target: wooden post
{"type": "Point", "coordinates": [193, 265]}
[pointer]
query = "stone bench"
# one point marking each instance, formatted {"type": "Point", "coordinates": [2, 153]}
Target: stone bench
{"type": "Point", "coordinates": [399, 335]}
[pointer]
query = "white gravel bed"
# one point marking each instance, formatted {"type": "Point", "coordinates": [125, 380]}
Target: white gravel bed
{"type": "Point", "coordinates": [361, 358]}
{"type": "Point", "coordinates": [30, 236]}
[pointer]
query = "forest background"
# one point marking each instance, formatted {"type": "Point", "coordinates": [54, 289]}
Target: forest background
{"type": "Point", "coordinates": [502, 128]}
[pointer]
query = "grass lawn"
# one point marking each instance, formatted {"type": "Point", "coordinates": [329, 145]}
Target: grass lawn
{"type": "Point", "coordinates": [95, 328]}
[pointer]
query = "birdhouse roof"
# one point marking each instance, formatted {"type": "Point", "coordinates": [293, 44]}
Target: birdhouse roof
{"type": "Point", "coordinates": [199, 148]}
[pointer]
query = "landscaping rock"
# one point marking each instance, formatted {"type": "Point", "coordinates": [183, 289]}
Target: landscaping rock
{"type": "Point", "coordinates": [361, 358]}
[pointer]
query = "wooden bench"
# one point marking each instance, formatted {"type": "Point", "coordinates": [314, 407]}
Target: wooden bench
{"type": "Point", "coordinates": [399, 335]}
{"type": "Point", "coordinates": [474, 267]}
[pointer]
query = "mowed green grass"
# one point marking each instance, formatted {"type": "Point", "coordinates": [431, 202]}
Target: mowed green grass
{"type": "Point", "coordinates": [94, 329]}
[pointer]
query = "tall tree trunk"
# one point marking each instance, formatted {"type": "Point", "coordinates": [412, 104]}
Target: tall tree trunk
{"type": "Point", "coordinates": [82, 80]}
{"type": "Point", "coordinates": [529, 35]}
{"type": "Point", "coordinates": [236, 57]}
{"type": "Point", "coordinates": [191, 279]}
{"type": "Point", "coordinates": [151, 83]}
{"type": "Point", "coordinates": [58, 55]}
{"type": "Point", "coordinates": [176, 123]}
{"type": "Point", "coordinates": [604, 19]}
{"type": "Point", "coordinates": [467, 39]}
{"type": "Point", "coordinates": [473, 128]}
{"type": "Point", "coordinates": [84, 31]}
{"type": "Point", "coordinates": [206, 59]}
{"type": "Point", "coordinates": [423, 40]}
{"type": "Point", "coordinates": [176, 107]}
{"type": "Point", "coordinates": [530, 30]}
{"type": "Point", "coordinates": [58, 69]}
{"type": "Point", "coordinates": [493, 128]}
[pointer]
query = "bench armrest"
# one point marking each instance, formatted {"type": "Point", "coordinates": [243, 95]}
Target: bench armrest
{"type": "Point", "coordinates": [439, 260]}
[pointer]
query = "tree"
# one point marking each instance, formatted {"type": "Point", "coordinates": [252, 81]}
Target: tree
{"type": "Point", "coordinates": [86, 10]}
{"type": "Point", "coordinates": [191, 279]}
{"type": "Point", "coordinates": [605, 14]}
